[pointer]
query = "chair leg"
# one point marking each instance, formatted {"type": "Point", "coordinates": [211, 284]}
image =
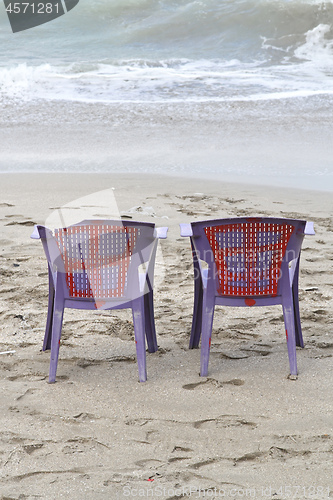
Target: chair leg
{"type": "Point", "coordinates": [48, 329]}
{"type": "Point", "coordinates": [197, 313]}
{"type": "Point", "coordinates": [289, 321]}
{"type": "Point", "coordinates": [150, 322]}
{"type": "Point", "coordinates": [298, 328]}
{"type": "Point", "coordinates": [58, 314]}
{"type": "Point", "coordinates": [208, 305]}
{"type": "Point", "coordinates": [139, 332]}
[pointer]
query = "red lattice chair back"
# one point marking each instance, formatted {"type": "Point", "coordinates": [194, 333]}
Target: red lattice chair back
{"type": "Point", "coordinates": [96, 259]}
{"type": "Point", "coordinates": [248, 256]}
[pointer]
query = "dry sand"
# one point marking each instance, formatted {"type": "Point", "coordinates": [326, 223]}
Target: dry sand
{"type": "Point", "coordinates": [246, 430]}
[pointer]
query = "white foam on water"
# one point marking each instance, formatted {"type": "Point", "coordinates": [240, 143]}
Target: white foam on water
{"type": "Point", "coordinates": [317, 47]}
{"type": "Point", "coordinates": [173, 80]}
{"type": "Point", "coordinates": [23, 81]}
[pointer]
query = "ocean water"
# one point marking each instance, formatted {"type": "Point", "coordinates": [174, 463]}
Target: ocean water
{"type": "Point", "coordinates": [146, 51]}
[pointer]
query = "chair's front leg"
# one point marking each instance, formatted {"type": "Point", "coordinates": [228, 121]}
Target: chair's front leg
{"type": "Point", "coordinates": [197, 305]}
{"type": "Point", "coordinates": [150, 322]}
{"type": "Point", "coordinates": [49, 320]}
{"type": "Point", "coordinates": [298, 328]}
{"type": "Point", "coordinates": [197, 311]}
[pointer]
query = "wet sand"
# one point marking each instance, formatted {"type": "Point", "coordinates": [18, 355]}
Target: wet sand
{"type": "Point", "coordinates": [283, 142]}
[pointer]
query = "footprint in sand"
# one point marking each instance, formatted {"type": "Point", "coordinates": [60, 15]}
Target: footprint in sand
{"type": "Point", "coordinates": [30, 448]}
{"type": "Point", "coordinates": [223, 421]}
{"type": "Point", "coordinates": [26, 221]}
{"type": "Point", "coordinates": [198, 465]}
{"type": "Point", "coordinates": [181, 448]}
{"type": "Point", "coordinates": [23, 223]}
{"type": "Point", "coordinates": [211, 381]}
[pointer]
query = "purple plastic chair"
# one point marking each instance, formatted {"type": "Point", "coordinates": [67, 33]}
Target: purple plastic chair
{"type": "Point", "coordinates": [246, 262]}
{"type": "Point", "coordinates": [101, 264]}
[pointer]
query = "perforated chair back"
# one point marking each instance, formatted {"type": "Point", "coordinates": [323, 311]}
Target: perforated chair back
{"type": "Point", "coordinates": [96, 258]}
{"type": "Point", "coordinates": [248, 256]}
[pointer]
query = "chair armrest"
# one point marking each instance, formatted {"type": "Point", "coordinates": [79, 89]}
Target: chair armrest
{"type": "Point", "coordinates": [35, 234]}
{"type": "Point", "coordinates": [160, 232]}
{"type": "Point", "coordinates": [186, 230]}
{"type": "Point", "coordinates": [309, 229]}
{"type": "Point", "coordinates": [40, 232]}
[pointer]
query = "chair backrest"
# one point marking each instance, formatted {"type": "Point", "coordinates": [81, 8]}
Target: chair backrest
{"type": "Point", "coordinates": [101, 259]}
{"type": "Point", "coordinates": [248, 253]}
{"type": "Point", "coordinates": [96, 258]}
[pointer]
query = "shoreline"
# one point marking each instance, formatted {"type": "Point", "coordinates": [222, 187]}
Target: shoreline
{"type": "Point", "coordinates": [196, 177]}
{"type": "Point", "coordinates": [286, 143]}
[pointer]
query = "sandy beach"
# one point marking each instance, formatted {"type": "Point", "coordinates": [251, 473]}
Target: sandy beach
{"type": "Point", "coordinates": [246, 431]}
{"type": "Point", "coordinates": [167, 112]}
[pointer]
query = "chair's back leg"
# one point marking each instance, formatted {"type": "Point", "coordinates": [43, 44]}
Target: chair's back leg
{"type": "Point", "coordinates": [58, 314]}
{"type": "Point", "coordinates": [139, 333]}
{"type": "Point", "coordinates": [208, 305]}
{"type": "Point", "coordinates": [289, 321]}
